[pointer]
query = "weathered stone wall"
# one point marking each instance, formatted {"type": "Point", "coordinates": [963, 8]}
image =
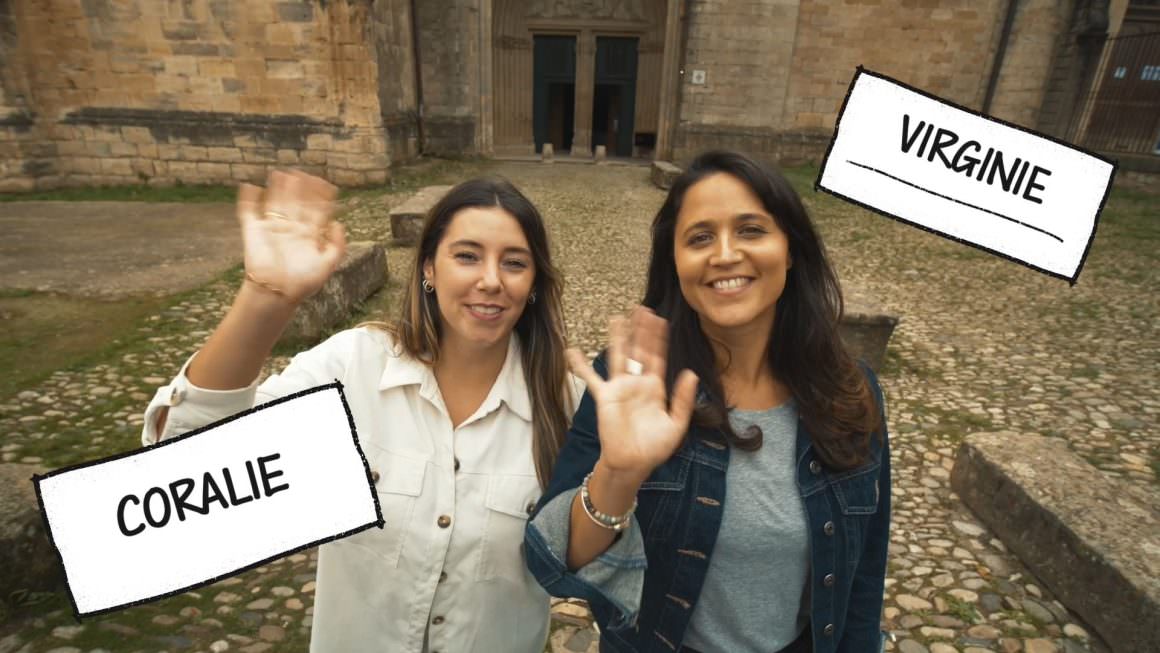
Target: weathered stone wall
{"type": "Point", "coordinates": [1027, 63]}
{"type": "Point", "coordinates": [449, 36]}
{"type": "Point", "coordinates": [396, 68]}
{"type": "Point", "coordinates": [778, 71]}
{"type": "Point", "coordinates": [201, 91]}
{"type": "Point", "coordinates": [746, 51]}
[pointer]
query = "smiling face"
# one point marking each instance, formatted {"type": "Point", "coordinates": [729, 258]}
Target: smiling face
{"type": "Point", "coordinates": [483, 273]}
{"type": "Point", "coordinates": [731, 256]}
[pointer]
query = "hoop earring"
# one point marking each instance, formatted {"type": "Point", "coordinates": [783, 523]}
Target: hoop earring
{"type": "Point", "coordinates": [427, 287]}
{"type": "Point", "coordinates": [532, 298]}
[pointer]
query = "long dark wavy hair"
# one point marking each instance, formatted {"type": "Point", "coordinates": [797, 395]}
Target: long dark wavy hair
{"type": "Point", "coordinates": [418, 329]}
{"type": "Point", "coordinates": [806, 353]}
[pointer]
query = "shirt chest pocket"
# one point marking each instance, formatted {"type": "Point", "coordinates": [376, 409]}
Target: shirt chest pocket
{"type": "Point", "coordinates": [510, 499]}
{"type": "Point", "coordinates": [398, 483]}
{"type": "Point", "coordinates": [857, 497]}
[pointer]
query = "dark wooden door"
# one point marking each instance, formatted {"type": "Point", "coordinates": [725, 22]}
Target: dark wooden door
{"type": "Point", "coordinates": [554, 79]}
{"type": "Point", "coordinates": [614, 105]}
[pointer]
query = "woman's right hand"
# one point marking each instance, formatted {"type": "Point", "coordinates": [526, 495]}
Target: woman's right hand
{"type": "Point", "coordinates": [292, 245]}
{"type": "Point", "coordinates": [639, 428]}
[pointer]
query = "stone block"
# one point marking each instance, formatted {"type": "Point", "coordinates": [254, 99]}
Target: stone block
{"type": "Point", "coordinates": [27, 558]}
{"type": "Point", "coordinates": [407, 218]}
{"type": "Point", "coordinates": [346, 178]}
{"type": "Point", "coordinates": [866, 327]}
{"type": "Point", "coordinates": [362, 273]}
{"type": "Point", "coordinates": [224, 154]}
{"type": "Point", "coordinates": [138, 135]}
{"type": "Point", "coordinates": [663, 174]}
{"type": "Point", "coordinates": [1089, 537]}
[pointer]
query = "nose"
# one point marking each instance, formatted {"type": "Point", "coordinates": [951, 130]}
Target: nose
{"type": "Point", "coordinates": [726, 252]}
{"type": "Point", "coordinates": [489, 277]}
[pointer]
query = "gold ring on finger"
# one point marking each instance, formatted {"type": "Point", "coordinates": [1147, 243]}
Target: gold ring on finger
{"type": "Point", "coordinates": [275, 214]}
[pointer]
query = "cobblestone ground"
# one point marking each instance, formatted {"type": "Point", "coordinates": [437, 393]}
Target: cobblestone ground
{"type": "Point", "coordinates": [984, 344]}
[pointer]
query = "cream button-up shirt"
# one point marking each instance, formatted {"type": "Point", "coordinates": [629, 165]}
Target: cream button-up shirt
{"type": "Point", "coordinates": [450, 575]}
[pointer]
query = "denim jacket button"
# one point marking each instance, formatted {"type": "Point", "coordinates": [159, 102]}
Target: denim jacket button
{"type": "Point", "coordinates": [828, 528]}
{"type": "Point", "coordinates": [828, 631]}
{"type": "Point", "coordinates": [828, 581]}
{"type": "Point", "coordinates": [815, 467]}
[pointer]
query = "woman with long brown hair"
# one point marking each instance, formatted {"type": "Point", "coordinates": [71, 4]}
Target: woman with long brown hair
{"type": "Point", "coordinates": [460, 405]}
{"type": "Point", "coordinates": [725, 485]}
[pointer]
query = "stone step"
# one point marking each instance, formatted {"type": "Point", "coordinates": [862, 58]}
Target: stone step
{"type": "Point", "coordinates": [360, 275]}
{"type": "Point", "coordinates": [407, 218]}
{"type": "Point", "coordinates": [1092, 539]}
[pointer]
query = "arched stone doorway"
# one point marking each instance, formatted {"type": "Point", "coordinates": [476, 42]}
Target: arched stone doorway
{"type": "Point", "coordinates": [580, 73]}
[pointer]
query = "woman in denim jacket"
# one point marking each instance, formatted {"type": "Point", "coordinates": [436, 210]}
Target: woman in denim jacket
{"type": "Point", "coordinates": [751, 511]}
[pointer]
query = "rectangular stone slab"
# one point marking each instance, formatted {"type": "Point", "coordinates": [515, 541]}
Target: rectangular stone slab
{"type": "Point", "coordinates": [360, 275]}
{"type": "Point", "coordinates": [663, 173]}
{"type": "Point", "coordinates": [865, 328]}
{"type": "Point", "coordinates": [407, 218]}
{"type": "Point", "coordinates": [1094, 540]}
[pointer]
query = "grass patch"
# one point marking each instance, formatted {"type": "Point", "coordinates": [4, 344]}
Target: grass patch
{"type": "Point", "coordinates": [44, 332]}
{"type": "Point", "coordinates": [179, 193]}
{"type": "Point", "coordinates": [962, 610]}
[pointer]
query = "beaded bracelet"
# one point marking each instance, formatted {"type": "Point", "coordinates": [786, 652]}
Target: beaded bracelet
{"type": "Point", "coordinates": [611, 522]}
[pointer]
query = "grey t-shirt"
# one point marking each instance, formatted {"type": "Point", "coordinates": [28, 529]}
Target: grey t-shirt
{"type": "Point", "coordinates": [754, 593]}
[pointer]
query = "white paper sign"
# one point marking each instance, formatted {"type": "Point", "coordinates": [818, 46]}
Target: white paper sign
{"type": "Point", "coordinates": [969, 177]}
{"type": "Point", "coordinates": [154, 522]}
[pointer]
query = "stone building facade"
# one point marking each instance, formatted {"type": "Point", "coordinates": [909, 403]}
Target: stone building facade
{"type": "Point", "coordinates": [210, 91]}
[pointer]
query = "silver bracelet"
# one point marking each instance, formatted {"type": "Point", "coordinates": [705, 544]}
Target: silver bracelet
{"type": "Point", "coordinates": [611, 522]}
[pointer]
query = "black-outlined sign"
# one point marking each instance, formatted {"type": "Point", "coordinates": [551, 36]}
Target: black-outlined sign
{"type": "Point", "coordinates": [968, 177]}
{"type": "Point", "coordinates": [154, 522]}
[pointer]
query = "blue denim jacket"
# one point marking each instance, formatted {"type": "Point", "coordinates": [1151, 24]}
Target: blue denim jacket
{"type": "Point", "coordinates": [643, 588]}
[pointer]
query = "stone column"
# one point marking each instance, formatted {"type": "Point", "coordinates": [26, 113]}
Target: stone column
{"type": "Point", "coordinates": [585, 93]}
{"type": "Point", "coordinates": [670, 82]}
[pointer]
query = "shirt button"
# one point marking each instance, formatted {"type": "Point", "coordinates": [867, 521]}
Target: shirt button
{"type": "Point", "coordinates": [444, 521]}
{"type": "Point", "coordinates": [437, 620]}
{"type": "Point", "coordinates": [828, 581]}
{"type": "Point", "coordinates": [442, 576]}
{"type": "Point", "coordinates": [828, 630]}
{"type": "Point", "coordinates": [828, 528]}
{"type": "Point", "coordinates": [531, 507]}
{"type": "Point", "coordinates": [375, 476]}
{"type": "Point", "coordinates": [457, 464]}
{"type": "Point", "coordinates": [815, 467]}
{"type": "Point", "coordinates": [176, 397]}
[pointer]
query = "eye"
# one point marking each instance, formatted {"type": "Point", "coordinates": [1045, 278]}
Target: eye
{"type": "Point", "coordinates": [700, 238]}
{"type": "Point", "coordinates": [752, 231]}
{"type": "Point", "coordinates": [466, 257]}
{"type": "Point", "coordinates": [516, 264]}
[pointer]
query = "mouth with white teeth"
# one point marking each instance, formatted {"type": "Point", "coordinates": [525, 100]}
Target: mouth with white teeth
{"type": "Point", "coordinates": [731, 286]}
{"type": "Point", "coordinates": [486, 312]}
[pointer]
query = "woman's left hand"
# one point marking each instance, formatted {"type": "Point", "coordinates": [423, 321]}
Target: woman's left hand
{"type": "Point", "coordinates": [639, 428]}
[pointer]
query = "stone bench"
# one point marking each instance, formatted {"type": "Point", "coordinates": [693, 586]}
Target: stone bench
{"type": "Point", "coordinates": [407, 218]}
{"type": "Point", "coordinates": [1094, 540]}
{"type": "Point", "coordinates": [360, 275]}
{"type": "Point", "coordinates": [28, 560]}
{"type": "Point", "coordinates": [866, 328]}
{"type": "Point", "coordinates": [663, 174]}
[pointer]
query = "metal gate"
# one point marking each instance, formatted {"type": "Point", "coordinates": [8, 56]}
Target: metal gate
{"type": "Point", "coordinates": [1122, 111]}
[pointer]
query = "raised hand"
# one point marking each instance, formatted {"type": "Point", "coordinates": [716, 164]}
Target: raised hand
{"type": "Point", "coordinates": [640, 428]}
{"type": "Point", "coordinates": [291, 244]}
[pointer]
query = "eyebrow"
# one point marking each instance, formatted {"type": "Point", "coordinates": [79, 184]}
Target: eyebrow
{"type": "Point", "coordinates": [476, 245]}
{"type": "Point", "coordinates": [739, 218]}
